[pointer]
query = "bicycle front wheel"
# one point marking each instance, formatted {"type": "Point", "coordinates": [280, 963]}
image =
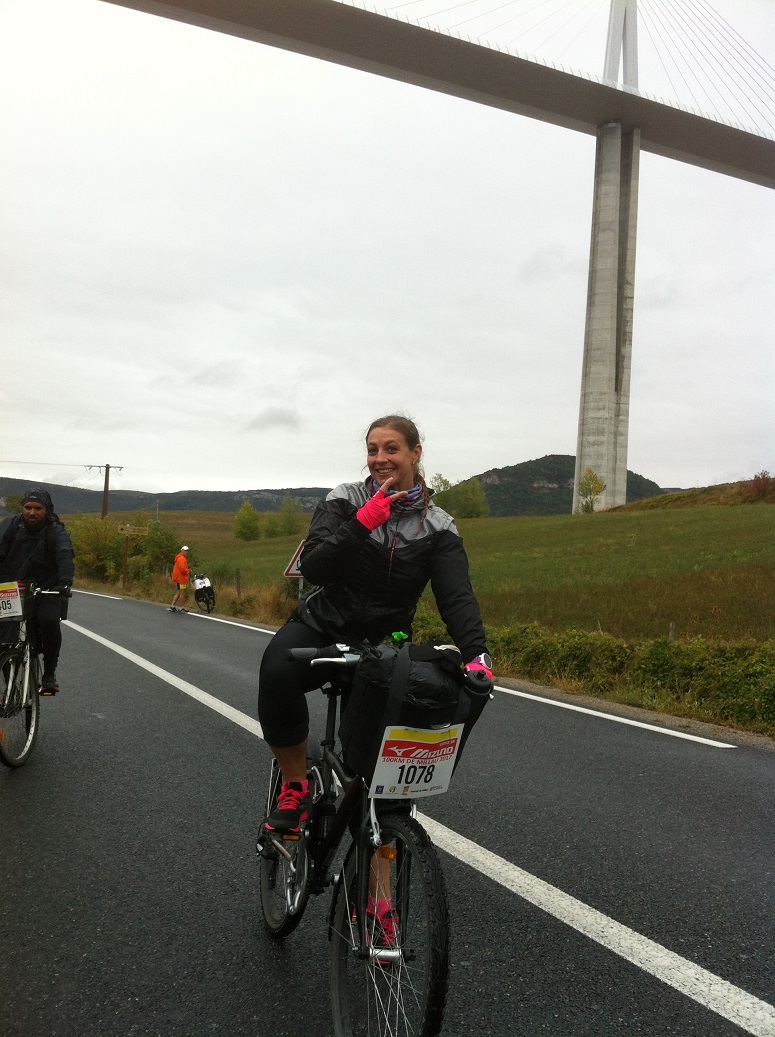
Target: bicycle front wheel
{"type": "Point", "coordinates": [19, 714]}
{"type": "Point", "coordinates": [402, 992]}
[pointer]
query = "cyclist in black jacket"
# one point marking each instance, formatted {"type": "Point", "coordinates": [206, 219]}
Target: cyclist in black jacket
{"type": "Point", "coordinates": [371, 550]}
{"type": "Point", "coordinates": [35, 547]}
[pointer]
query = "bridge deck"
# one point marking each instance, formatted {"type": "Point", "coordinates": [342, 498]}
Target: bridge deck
{"type": "Point", "coordinates": [374, 43]}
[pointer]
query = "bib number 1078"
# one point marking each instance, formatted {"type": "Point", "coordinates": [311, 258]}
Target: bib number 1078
{"type": "Point", "coordinates": [414, 763]}
{"type": "Point", "coordinates": [413, 774]}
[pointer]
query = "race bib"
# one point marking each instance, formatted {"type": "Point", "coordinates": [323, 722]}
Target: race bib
{"type": "Point", "coordinates": [414, 763]}
{"type": "Point", "coordinates": [10, 601]}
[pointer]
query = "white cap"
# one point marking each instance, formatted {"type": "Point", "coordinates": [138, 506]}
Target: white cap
{"type": "Point", "coordinates": [184, 547]}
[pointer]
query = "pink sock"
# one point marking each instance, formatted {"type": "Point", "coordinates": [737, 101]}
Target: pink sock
{"type": "Point", "coordinates": [378, 907]}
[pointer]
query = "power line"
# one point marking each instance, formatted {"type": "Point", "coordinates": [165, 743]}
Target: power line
{"type": "Point", "coordinates": [89, 467]}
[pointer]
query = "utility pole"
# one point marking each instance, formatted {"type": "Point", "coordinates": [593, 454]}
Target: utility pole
{"type": "Point", "coordinates": [106, 487]}
{"type": "Point", "coordinates": [105, 491]}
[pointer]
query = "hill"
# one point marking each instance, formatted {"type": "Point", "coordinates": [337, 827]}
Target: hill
{"type": "Point", "coordinates": [545, 487]}
{"type": "Point", "coordinates": [71, 500]}
{"type": "Point", "coordinates": [540, 487]}
{"type": "Point", "coordinates": [759, 490]}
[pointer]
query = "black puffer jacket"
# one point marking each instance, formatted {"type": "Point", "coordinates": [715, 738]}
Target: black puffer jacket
{"type": "Point", "coordinates": [44, 557]}
{"type": "Point", "coordinates": [368, 584]}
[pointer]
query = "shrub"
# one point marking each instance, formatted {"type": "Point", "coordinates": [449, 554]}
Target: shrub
{"type": "Point", "coordinates": [99, 547]}
{"type": "Point", "coordinates": [761, 485]}
{"type": "Point", "coordinates": [159, 546]}
{"type": "Point", "coordinates": [722, 682]}
{"type": "Point", "coordinates": [290, 516]}
{"type": "Point", "coordinates": [247, 525]}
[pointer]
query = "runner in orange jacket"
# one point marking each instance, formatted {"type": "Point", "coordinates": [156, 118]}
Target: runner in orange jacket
{"type": "Point", "coordinates": [180, 575]}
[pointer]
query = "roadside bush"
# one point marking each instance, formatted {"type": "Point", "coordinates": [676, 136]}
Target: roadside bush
{"type": "Point", "coordinates": [159, 546]}
{"type": "Point", "coordinates": [139, 573]}
{"type": "Point", "coordinates": [719, 682]}
{"type": "Point", "coordinates": [427, 623]}
{"type": "Point", "coordinates": [99, 547]}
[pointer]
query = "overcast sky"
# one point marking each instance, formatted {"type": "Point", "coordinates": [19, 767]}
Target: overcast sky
{"type": "Point", "coordinates": [220, 261]}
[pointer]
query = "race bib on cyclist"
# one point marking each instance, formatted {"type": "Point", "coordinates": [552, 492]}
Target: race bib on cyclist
{"type": "Point", "coordinates": [10, 601]}
{"type": "Point", "coordinates": [414, 763]}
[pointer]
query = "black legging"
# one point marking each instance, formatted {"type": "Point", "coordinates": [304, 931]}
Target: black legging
{"type": "Point", "coordinates": [48, 613]}
{"type": "Point", "coordinates": [282, 685]}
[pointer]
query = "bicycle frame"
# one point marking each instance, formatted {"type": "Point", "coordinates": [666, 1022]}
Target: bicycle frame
{"type": "Point", "coordinates": [329, 824]}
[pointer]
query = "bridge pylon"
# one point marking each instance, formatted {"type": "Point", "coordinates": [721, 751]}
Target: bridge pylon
{"type": "Point", "coordinates": [604, 412]}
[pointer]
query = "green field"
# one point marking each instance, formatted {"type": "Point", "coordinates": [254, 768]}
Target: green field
{"type": "Point", "coordinates": [708, 571]}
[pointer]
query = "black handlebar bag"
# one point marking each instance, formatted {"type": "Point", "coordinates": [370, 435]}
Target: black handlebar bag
{"type": "Point", "coordinates": [413, 685]}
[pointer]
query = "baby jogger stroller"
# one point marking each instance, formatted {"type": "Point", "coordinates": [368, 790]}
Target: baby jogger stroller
{"type": "Point", "coordinates": [204, 593]}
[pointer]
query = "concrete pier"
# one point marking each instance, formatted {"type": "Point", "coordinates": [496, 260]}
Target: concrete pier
{"type": "Point", "coordinates": [605, 382]}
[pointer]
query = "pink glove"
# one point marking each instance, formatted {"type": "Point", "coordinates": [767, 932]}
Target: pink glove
{"type": "Point", "coordinates": [475, 666]}
{"type": "Point", "coordinates": [375, 512]}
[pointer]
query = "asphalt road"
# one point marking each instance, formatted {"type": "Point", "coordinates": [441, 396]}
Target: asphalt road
{"type": "Point", "coordinates": [605, 878]}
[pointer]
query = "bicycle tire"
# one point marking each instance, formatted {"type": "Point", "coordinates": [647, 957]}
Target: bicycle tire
{"type": "Point", "coordinates": [19, 721]}
{"type": "Point", "coordinates": [285, 884]}
{"type": "Point", "coordinates": [406, 997]}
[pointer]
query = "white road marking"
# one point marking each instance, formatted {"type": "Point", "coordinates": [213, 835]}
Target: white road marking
{"type": "Point", "coordinates": [730, 1002]}
{"type": "Point", "coordinates": [190, 689]}
{"type": "Point", "coordinates": [743, 1009]}
{"type": "Point", "coordinates": [616, 720]}
{"type": "Point", "coordinates": [231, 623]}
{"type": "Point", "coordinates": [94, 594]}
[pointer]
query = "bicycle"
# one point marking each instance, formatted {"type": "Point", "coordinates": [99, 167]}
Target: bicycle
{"type": "Point", "coordinates": [204, 595]}
{"type": "Point", "coordinates": [386, 984]}
{"type": "Point", "coordinates": [21, 674]}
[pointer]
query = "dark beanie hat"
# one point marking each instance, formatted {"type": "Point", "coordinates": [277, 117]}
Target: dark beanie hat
{"type": "Point", "coordinates": [41, 496]}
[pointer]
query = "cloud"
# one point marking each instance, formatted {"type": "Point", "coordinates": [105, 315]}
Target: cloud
{"type": "Point", "coordinates": [274, 418]}
{"type": "Point", "coordinates": [285, 245]}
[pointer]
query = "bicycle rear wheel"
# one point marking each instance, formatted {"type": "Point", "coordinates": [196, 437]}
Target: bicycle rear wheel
{"type": "Point", "coordinates": [19, 716]}
{"type": "Point", "coordinates": [405, 996]}
{"type": "Point", "coordinates": [285, 881]}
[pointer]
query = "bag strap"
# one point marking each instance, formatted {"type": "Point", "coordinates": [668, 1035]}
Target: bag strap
{"type": "Point", "coordinates": [398, 685]}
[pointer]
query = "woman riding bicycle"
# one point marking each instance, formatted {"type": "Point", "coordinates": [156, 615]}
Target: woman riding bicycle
{"type": "Point", "coordinates": [371, 549]}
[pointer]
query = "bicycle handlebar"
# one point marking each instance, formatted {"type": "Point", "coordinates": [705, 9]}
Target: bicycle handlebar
{"type": "Point", "coordinates": [341, 655]}
{"type": "Point", "coordinates": [475, 682]}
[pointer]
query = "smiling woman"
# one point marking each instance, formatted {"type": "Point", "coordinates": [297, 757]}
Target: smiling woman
{"type": "Point", "coordinates": [370, 553]}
